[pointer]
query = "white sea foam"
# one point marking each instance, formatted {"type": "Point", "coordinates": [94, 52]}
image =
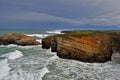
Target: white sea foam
{"type": "Point", "coordinates": [13, 55]}
{"type": "Point", "coordinates": [75, 70]}
{"type": "Point", "coordinates": [4, 69]}
{"type": "Point", "coordinates": [10, 45]}
{"type": "Point", "coordinates": [55, 31]}
{"type": "Point", "coordinates": [53, 57]}
{"type": "Point", "coordinates": [43, 72]}
{"type": "Point", "coordinates": [37, 35]}
{"type": "Point", "coordinates": [19, 46]}
{"type": "Point", "coordinates": [52, 53]}
{"type": "Point", "coordinates": [39, 40]}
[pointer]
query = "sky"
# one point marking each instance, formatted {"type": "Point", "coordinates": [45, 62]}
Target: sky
{"type": "Point", "coordinates": [60, 14]}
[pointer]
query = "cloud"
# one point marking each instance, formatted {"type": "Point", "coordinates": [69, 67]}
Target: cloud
{"type": "Point", "coordinates": [110, 19]}
{"type": "Point", "coordinates": [92, 12]}
{"type": "Point", "coordinates": [34, 16]}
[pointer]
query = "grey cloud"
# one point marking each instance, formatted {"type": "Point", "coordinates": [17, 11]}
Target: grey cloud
{"type": "Point", "coordinates": [93, 12]}
{"type": "Point", "coordinates": [33, 16]}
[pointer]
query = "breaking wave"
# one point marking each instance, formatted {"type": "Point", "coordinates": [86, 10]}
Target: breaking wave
{"type": "Point", "coordinates": [54, 31]}
{"type": "Point", "coordinates": [13, 55]}
{"type": "Point", "coordinates": [38, 35]}
{"type": "Point", "coordinates": [4, 66]}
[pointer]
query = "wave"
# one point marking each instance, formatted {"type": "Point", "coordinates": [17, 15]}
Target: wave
{"type": "Point", "coordinates": [10, 45]}
{"type": "Point", "coordinates": [19, 46]}
{"type": "Point", "coordinates": [43, 72]}
{"type": "Point", "coordinates": [65, 69]}
{"type": "Point", "coordinates": [54, 31]}
{"type": "Point", "coordinates": [37, 35]}
{"type": "Point", "coordinates": [4, 68]}
{"type": "Point", "coordinates": [13, 55]}
{"type": "Point", "coordinates": [26, 68]}
{"type": "Point", "coordinates": [39, 40]}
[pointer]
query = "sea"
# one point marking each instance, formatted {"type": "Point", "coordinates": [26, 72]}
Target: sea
{"type": "Point", "coordinates": [35, 63]}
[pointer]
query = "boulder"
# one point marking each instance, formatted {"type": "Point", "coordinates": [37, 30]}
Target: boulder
{"type": "Point", "coordinates": [17, 38]}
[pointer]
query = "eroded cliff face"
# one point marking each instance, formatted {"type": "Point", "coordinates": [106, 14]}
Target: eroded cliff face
{"type": "Point", "coordinates": [94, 47]}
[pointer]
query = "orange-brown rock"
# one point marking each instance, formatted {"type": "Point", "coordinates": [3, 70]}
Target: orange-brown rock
{"type": "Point", "coordinates": [89, 48]}
{"type": "Point", "coordinates": [17, 38]}
{"type": "Point", "coordinates": [94, 47]}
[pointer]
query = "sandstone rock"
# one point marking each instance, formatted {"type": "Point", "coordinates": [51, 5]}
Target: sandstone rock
{"type": "Point", "coordinates": [17, 38]}
{"type": "Point", "coordinates": [90, 48]}
{"type": "Point", "coordinates": [95, 47]}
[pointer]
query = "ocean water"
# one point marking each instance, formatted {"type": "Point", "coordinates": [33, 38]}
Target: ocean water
{"type": "Point", "coordinates": [35, 63]}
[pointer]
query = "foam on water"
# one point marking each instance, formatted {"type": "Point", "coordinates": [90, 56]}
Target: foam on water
{"type": "Point", "coordinates": [4, 69]}
{"type": "Point", "coordinates": [18, 46]}
{"type": "Point", "coordinates": [55, 31]}
{"type": "Point", "coordinates": [10, 45]}
{"type": "Point", "coordinates": [40, 36]}
{"type": "Point", "coordinates": [37, 35]}
{"type": "Point", "coordinates": [43, 72]}
{"type": "Point", "coordinates": [64, 69]}
{"type": "Point", "coordinates": [15, 54]}
{"type": "Point", "coordinates": [4, 66]}
{"type": "Point", "coordinates": [39, 40]}
{"type": "Point", "coordinates": [21, 74]}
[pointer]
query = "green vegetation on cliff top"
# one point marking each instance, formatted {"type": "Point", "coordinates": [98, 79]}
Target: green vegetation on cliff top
{"type": "Point", "coordinates": [83, 32]}
{"type": "Point", "coordinates": [80, 33]}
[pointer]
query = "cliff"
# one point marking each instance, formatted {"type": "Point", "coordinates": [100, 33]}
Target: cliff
{"type": "Point", "coordinates": [84, 46]}
{"type": "Point", "coordinates": [17, 38]}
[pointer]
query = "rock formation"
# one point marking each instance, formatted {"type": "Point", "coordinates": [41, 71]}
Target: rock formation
{"type": "Point", "coordinates": [17, 38]}
{"type": "Point", "coordinates": [94, 47]}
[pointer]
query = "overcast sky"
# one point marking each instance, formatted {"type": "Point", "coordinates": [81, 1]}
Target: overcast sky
{"type": "Point", "coordinates": [99, 14]}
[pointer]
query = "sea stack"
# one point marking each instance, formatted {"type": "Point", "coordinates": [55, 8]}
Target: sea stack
{"type": "Point", "coordinates": [91, 46]}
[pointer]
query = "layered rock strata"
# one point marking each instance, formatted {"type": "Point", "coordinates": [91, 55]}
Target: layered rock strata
{"type": "Point", "coordinates": [95, 47]}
